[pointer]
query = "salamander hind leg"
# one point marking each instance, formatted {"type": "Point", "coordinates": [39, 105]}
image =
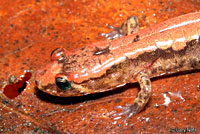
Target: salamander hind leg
{"type": "Point", "coordinates": [141, 99]}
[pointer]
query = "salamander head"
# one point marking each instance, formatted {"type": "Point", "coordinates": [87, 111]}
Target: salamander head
{"type": "Point", "coordinates": [74, 73]}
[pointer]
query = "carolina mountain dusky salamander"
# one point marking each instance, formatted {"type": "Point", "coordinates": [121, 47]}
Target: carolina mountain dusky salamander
{"type": "Point", "coordinates": [168, 47]}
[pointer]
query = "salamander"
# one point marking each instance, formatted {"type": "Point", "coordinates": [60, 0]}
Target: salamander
{"type": "Point", "coordinates": [166, 48]}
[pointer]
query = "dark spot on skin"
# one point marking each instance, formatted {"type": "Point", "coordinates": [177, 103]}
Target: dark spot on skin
{"type": "Point", "coordinates": [73, 61]}
{"type": "Point", "coordinates": [16, 42]}
{"type": "Point", "coordinates": [83, 48]}
{"type": "Point", "coordinates": [144, 18]}
{"type": "Point", "coordinates": [146, 97]}
{"type": "Point", "coordinates": [99, 61]}
{"type": "Point", "coordinates": [174, 110]}
{"type": "Point", "coordinates": [5, 102]}
{"type": "Point", "coordinates": [83, 54]}
{"type": "Point", "coordinates": [181, 63]}
{"type": "Point", "coordinates": [188, 110]}
{"type": "Point", "coordinates": [134, 107]}
{"type": "Point", "coordinates": [38, 1]}
{"type": "Point", "coordinates": [194, 105]}
{"type": "Point", "coordinates": [147, 82]}
{"type": "Point", "coordinates": [160, 68]}
{"type": "Point", "coordinates": [120, 78]}
{"type": "Point", "coordinates": [109, 101]}
{"type": "Point", "coordinates": [193, 63]}
{"type": "Point", "coordinates": [99, 51]}
{"type": "Point", "coordinates": [73, 56]}
{"type": "Point", "coordinates": [11, 25]}
{"type": "Point", "coordinates": [137, 38]}
{"type": "Point", "coordinates": [176, 67]}
{"type": "Point", "coordinates": [36, 82]}
{"type": "Point", "coordinates": [77, 56]}
{"type": "Point", "coordinates": [87, 60]}
{"type": "Point", "coordinates": [154, 71]}
{"type": "Point", "coordinates": [43, 72]}
{"type": "Point", "coordinates": [140, 96]}
{"type": "Point", "coordinates": [118, 100]}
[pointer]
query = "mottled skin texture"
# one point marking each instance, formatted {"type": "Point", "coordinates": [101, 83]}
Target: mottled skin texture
{"type": "Point", "coordinates": [169, 47]}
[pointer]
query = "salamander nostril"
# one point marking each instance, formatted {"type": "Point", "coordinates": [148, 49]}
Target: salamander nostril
{"type": "Point", "coordinates": [58, 54]}
{"type": "Point", "coordinates": [54, 51]}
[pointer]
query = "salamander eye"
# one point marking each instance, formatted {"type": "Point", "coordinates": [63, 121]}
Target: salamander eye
{"type": "Point", "coordinates": [63, 83]}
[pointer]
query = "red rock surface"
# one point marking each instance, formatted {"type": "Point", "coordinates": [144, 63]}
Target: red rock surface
{"type": "Point", "coordinates": [30, 30]}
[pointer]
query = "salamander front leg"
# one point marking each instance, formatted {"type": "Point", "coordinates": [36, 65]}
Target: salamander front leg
{"type": "Point", "coordinates": [141, 99]}
{"type": "Point", "coordinates": [130, 26]}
